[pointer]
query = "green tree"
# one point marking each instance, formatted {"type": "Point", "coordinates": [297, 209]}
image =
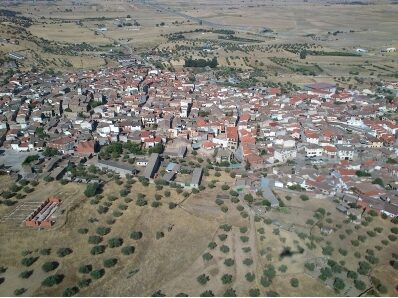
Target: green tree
{"type": "Point", "coordinates": [294, 282]}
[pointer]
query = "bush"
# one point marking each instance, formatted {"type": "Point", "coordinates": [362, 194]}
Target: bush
{"type": "Point", "coordinates": [52, 280]}
{"type": "Point", "coordinates": [92, 189]}
{"type": "Point", "coordinates": [97, 250]}
{"type": "Point", "coordinates": [159, 235]}
{"type": "Point", "coordinates": [226, 279]}
{"type": "Point", "coordinates": [229, 262]}
{"type": "Point", "coordinates": [360, 285]}
{"type": "Point", "coordinates": [250, 276]}
{"type": "Point", "coordinates": [20, 291]}
{"type": "Point", "coordinates": [82, 231]}
{"type": "Point", "coordinates": [222, 237]}
{"type": "Point", "coordinates": [248, 261]}
{"type": "Point", "coordinates": [141, 202]}
{"type": "Point", "coordinates": [226, 227]}
{"type": "Point", "coordinates": [243, 229]}
{"type": "Point", "coordinates": [26, 274]}
{"type": "Point", "coordinates": [244, 239]}
{"type": "Point", "coordinates": [304, 198]}
{"type": "Point", "coordinates": [338, 284]}
{"type": "Point", "coordinates": [49, 266]}
{"type": "Point", "coordinates": [64, 251]}
{"type": "Point", "coordinates": [97, 274]}
{"type": "Point", "coordinates": [84, 269]}
{"type": "Point", "coordinates": [207, 293]}
{"type": "Point", "coordinates": [229, 293]}
{"type": "Point", "coordinates": [155, 204]}
{"type": "Point", "coordinates": [94, 239]}
{"type": "Point", "coordinates": [207, 256]}
{"type": "Point", "coordinates": [254, 292]}
{"type": "Point", "coordinates": [212, 245]}
{"type": "Point", "coordinates": [103, 231]}
{"type": "Point", "coordinates": [203, 279]}
{"type": "Point", "coordinates": [128, 250]}
{"type": "Point", "coordinates": [115, 242]}
{"type": "Point", "coordinates": [69, 292]}
{"type": "Point", "coordinates": [294, 282]}
{"type": "Point", "coordinates": [108, 263]}
{"type": "Point", "coordinates": [224, 249]}
{"type": "Point", "coordinates": [352, 274]}
{"type": "Point", "coordinates": [136, 235]}
{"type": "Point", "coordinates": [310, 266]}
{"type": "Point", "coordinates": [84, 283]}
{"type": "Point", "coordinates": [28, 261]}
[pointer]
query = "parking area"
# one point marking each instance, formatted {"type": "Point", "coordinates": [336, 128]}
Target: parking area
{"type": "Point", "coordinates": [12, 159]}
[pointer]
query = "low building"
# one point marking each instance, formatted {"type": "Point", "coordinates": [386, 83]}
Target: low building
{"type": "Point", "coordinates": [152, 166]}
{"type": "Point", "coordinates": [121, 168]}
{"type": "Point", "coordinates": [196, 177]}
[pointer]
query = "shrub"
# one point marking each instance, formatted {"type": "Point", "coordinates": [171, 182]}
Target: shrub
{"type": "Point", "coordinates": [97, 250]}
{"type": "Point", "coordinates": [159, 235]}
{"type": "Point", "coordinates": [224, 249]}
{"type": "Point", "coordinates": [226, 227]}
{"type": "Point", "coordinates": [52, 280]}
{"type": "Point", "coordinates": [94, 239]}
{"type": "Point", "coordinates": [115, 242]}
{"type": "Point", "coordinates": [229, 293]}
{"type": "Point", "coordinates": [310, 266]}
{"type": "Point", "coordinates": [360, 285]}
{"type": "Point", "coordinates": [352, 274]}
{"type": "Point", "coordinates": [26, 274]}
{"type": "Point", "coordinates": [141, 202]}
{"type": "Point", "coordinates": [64, 251]}
{"type": "Point", "coordinates": [84, 269]}
{"type": "Point", "coordinates": [223, 237]}
{"type": "Point", "coordinates": [69, 292]}
{"type": "Point", "coordinates": [338, 284]}
{"type": "Point", "coordinates": [207, 293]}
{"type": "Point", "coordinates": [155, 204]}
{"type": "Point", "coordinates": [243, 229]}
{"type": "Point", "coordinates": [226, 279]}
{"type": "Point", "coordinates": [158, 293]}
{"type": "Point", "coordinates": [224, 187]}
{"type": "Point", "coordinates": [229, 262]}
{"type": "Point", "coordinates": [97, 274]}
{"type": "Point", "coordinates": [28, 261]}
{"type": "Point", "coordinates": [304, 198]}
{"type": "Point", "coordinates": [203, 279]}
{"type": "Point", "coordinates": [92, 189]}
{"type": "Point", "coordinates": [49, 266]}
{"type": "Point", "coordinates": [136, 235]}
{"type": "Point", "coordinates": [248, 261]}
{"type": "Point", "coordinates": [20, 291]}
{"type": "Point", "coordinates": [364, 268]}
{"type": "Point", "coordinates": [250, 276]}
{"type": "Point", "coordinates": [254, 292]}
{"type": "Point", "coordinates": [84, 283]}
{"type": "Point", "coordinates": [103, 231]}
{"type": "Point", "coordinates": [207, 256]}
{"type": "Point", "coordinates": [265, 281]}
{"type": "Point", "coordinates": [128, 250]}
{"type": "Point", "coordinates": [294, 282]}
{"type": "Point", "coordinates": [212, 245]}
{"type": "Point", "coordinates": [244, 238]}
{"type": "Point", "coordinates": [108, 263]}
{"type": "Point", "coordinates": [82, 231]}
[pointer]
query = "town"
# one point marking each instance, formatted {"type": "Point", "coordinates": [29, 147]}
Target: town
{"type": "Point", "coordinates": [198, 148]}
{"type": "Point", "coordinates": [322, 139]}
